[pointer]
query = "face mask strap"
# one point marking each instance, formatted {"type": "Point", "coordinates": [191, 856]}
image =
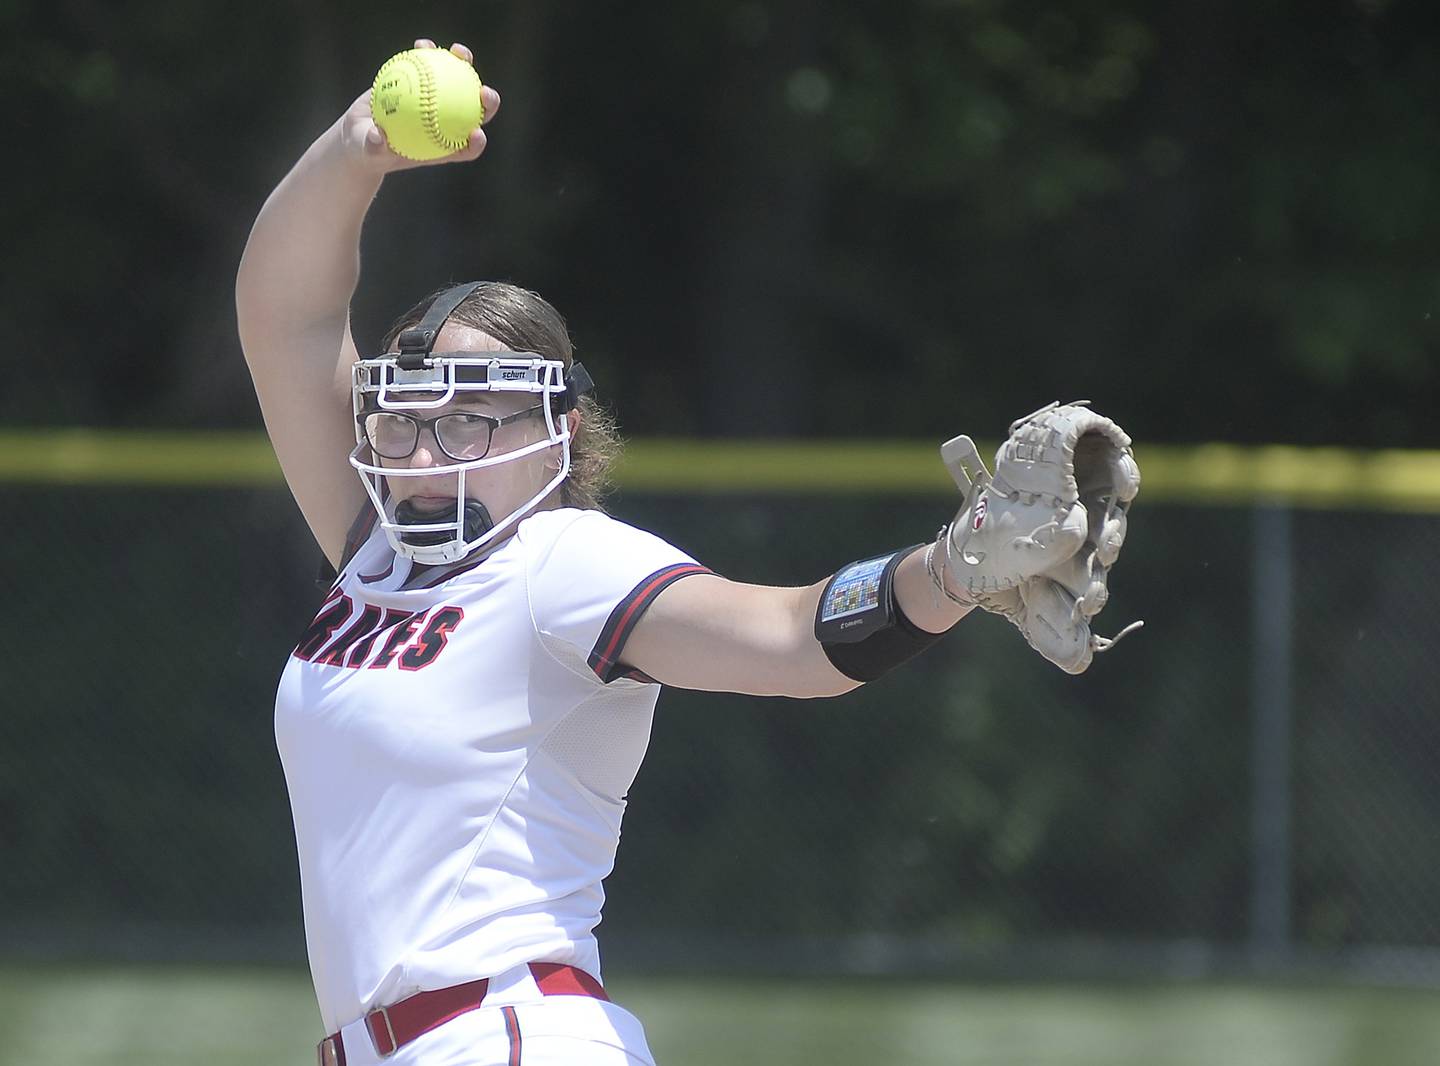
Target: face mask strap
{"type": "Point", "coordinates": [416, 342]}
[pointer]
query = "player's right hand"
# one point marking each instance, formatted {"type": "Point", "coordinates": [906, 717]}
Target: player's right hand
{"type": "Point", "coordinates": [364, 141]}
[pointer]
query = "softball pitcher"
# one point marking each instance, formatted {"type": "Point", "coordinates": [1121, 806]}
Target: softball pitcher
{"type": "Point", "coordinates": [460, 723]}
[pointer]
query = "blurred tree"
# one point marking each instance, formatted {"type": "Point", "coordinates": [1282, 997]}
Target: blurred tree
{"type": "Point", "coordinates": [773, 217]}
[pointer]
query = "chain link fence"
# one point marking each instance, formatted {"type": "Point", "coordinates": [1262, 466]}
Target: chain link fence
{"type": "Point", "coordinates": [1252, 782]}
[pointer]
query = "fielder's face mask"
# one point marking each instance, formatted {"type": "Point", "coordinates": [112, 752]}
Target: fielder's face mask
{"type": "Point", "coordinates": [395, 397]}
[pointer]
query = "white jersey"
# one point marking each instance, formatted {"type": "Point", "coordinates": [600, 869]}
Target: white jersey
{"type": "Point", "coordinates": [458, 754]}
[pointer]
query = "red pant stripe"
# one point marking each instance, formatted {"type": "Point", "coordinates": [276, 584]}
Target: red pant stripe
{"type": "Point", "coordinates": [512, 1030]}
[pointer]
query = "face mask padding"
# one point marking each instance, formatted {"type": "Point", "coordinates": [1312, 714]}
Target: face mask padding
{"type": "Point", "coordinates": [477, 523]}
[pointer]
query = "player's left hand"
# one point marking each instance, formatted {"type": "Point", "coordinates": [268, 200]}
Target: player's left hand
{"type": "Point", "coordinates": [1035, 541]}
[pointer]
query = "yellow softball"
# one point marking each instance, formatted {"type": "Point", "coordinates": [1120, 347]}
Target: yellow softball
{"type": "Point", "coordinates": [427, 101]}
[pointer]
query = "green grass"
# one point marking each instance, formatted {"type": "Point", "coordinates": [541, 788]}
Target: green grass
{"type": "Point", "coordinates": [160, 1016]}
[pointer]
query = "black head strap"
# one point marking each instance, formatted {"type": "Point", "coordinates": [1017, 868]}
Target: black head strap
{"type": "Point", "coordinates": [417, 341]}
{"type": "Point", "coordinates": [577, 384]}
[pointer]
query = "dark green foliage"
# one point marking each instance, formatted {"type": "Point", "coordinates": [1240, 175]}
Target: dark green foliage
{"type": "Point", "coordinates": [1218, 219]}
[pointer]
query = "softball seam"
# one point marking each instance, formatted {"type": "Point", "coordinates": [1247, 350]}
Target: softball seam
{"type": "Point", "coordinates": [429, 112]}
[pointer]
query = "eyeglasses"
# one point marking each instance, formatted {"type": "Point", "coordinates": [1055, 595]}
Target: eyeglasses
{"type": "Point", "coordinates": [462, 435]}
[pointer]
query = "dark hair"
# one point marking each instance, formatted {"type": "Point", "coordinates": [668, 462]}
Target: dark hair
{"type": "Point", "coordinates": [526, 322]}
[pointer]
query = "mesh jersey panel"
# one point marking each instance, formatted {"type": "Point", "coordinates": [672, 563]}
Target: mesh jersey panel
{"type": "Point", "coordinates": [602, 741]}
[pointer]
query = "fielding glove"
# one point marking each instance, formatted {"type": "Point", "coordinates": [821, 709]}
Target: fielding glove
{"type": "Point", "coordinates": [1034, 542]}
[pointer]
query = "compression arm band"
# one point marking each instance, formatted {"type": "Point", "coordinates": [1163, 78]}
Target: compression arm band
{"type": "Point", "coordinates": [864, 632]}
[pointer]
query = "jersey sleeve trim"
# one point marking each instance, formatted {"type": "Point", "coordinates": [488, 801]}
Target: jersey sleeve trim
{"type": "Point", "coordinates": [605, 656]}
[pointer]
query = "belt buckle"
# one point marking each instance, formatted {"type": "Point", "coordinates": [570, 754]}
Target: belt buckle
{"type": "Point", "coordinates": [330, 1053]}
{"type": "Point", "coordinates": [389, 1031]}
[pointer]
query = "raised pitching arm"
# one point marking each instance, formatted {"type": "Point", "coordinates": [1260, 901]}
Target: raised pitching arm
{"type": "Point", "coordinates": [292, 301]}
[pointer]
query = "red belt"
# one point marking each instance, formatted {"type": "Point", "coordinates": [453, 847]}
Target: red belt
{"type": "Point", "coordinates": [394, 1026]}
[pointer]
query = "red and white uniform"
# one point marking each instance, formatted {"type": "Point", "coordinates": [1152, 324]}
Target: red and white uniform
{"type": "Point", "coordinates": [458, 753]}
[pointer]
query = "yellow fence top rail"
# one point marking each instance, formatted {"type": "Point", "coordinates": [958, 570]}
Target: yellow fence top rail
{"type": "Point", "coordinates": [1202, 474]}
